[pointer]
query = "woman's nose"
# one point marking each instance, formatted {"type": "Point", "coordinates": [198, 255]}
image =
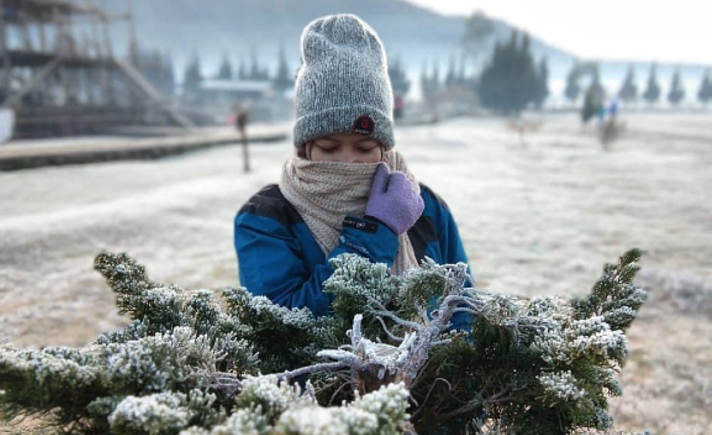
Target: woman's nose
{"type": "Point", "coordinates": [350, 158]}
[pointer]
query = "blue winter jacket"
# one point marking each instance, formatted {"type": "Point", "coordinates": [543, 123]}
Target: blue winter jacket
{"type": "Point", "coordinates": [279, 258]}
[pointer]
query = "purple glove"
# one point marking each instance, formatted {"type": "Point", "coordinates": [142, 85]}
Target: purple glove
{"type": "Point", "coordinates": [394, 200]}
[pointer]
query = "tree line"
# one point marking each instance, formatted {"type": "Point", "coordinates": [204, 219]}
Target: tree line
{"type": "Point", "coordinates": [512, 80]}
{"type": "Point", "coordinates": [282, 79]}
{"type": "Point", "coordinates": [630, 93]}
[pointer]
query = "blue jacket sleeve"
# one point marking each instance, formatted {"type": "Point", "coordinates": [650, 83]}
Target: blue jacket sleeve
{"type": "Point", "coordinates": [272, 261]}
{"type": "Point", "coordinates": [449, 241]}
{"type": "Point", "coordinates": [450, 244]}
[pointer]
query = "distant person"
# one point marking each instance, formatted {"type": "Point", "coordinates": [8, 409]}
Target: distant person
{"type": "Point", "coordinates": [601, 114]}
{"type": "Point", "coordinates": [398, 107]}
{"type": "Point", "coordinates": [613, 108]}
{"type": "Point", "coordinates": [242, 117]}
{"type": "Point", "coordinates": [346, 189]}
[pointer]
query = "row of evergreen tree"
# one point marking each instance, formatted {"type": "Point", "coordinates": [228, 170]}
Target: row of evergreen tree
{"type": "Point", "coordinates": [508, 83]}
{"type": "Point", "coordinates": [431, 84]}
{"type": "Point", "coordinates": [511, 81]}
{"type": "Point", "coordinates": [629, 93]}
{"type": "Point", "coordinates": [283, 78]}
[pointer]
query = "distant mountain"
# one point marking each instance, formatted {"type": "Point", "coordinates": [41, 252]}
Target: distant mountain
{"type": "Point", "coordinates": [416, 35]}
{"type": "Point", "coordinates": [213, 27]}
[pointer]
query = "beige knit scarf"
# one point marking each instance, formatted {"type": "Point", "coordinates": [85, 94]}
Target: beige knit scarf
{"type": "Point", "coordinates": [325, 192]}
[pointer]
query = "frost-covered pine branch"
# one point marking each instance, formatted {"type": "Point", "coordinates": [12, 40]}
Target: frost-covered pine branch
{"type": "Point", "coordinates": [202, 363]}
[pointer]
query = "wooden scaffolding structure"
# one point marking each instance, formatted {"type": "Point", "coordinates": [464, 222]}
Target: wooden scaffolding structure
{"type": "Point", "coordinates": [59, 75]}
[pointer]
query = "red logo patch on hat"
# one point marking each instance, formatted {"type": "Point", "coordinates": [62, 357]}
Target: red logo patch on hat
{"type": "Point", "coordinates": [365, 125]}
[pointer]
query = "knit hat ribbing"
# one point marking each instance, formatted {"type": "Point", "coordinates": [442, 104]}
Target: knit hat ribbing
{"type": "Point", "coordinates": [344, 76]}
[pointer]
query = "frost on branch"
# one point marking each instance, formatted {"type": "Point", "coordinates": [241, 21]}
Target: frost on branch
{"type": "Point", "coordinates": [161, 413]}
{"type": "Point", "coordinates": [395, 356]}
{"type": "Point", "coordinates": [270, 406]}
{"type": "Point", "coordinates": [382, 412]}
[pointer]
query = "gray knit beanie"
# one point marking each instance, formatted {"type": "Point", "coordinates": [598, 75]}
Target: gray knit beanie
{"type": "Point", "coordinates": [343, 85]}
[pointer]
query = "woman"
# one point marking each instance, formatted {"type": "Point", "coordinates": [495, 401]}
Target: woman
{"type": "Point", "coordinates": [346, 190]}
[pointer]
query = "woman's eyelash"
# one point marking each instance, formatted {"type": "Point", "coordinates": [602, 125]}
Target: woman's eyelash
{"type": "Point", "coordinates": [330, 149]}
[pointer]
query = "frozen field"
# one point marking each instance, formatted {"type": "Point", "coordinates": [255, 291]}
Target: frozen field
{"type": "Point", "coordinates": [540, 219]}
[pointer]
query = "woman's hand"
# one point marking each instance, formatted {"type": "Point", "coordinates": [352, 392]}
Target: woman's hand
{"type": "Point", "coordinates": [394, 200]}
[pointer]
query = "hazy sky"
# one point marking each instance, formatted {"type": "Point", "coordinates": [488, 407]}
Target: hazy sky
{"type": "Point", "coordinates": [675, 31]}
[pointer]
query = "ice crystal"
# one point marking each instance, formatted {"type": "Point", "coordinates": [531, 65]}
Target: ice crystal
{"type": "Point", "coordinates": [389, 403]}
{"type": "Point", "coordinates": [154, 414]}
{"type": "Point", "coordinates": [358, 279]}
{"type": "Point", "coordinates": [154, 362]}
{"type": "Point", "coordinates": [312, 421]}
{"type": "Point", "coordinates": [51, 365]}
{"type": "Point", "coordinates": [271, 394]}
{"type": "Point", "coordinates": [245, 421]}
{"type": "Point", "coordinates": [562, 386]}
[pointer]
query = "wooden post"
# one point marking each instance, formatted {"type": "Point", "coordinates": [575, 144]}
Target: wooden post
{"type": "Point", "coordinates": [95, 37]}
{"type": "Point", "coordinates": [26, 23]}
{"type": "Point", "coordinates": [109, 67]}
{"type": "Point", "coordinates": [90, 77]}
{"type": "Point", "coordinates": [107, 38]}
{"type": "Point", "coordinates": [133, 40]}
{"type": "Point", "coordinates": [245, 152]}
{"type": "Point", "coordinates": [43, 37]}
{"type": "Point", "coordinates": [241, 118]}
{"type": "Point", "coordinates": [6, 65]}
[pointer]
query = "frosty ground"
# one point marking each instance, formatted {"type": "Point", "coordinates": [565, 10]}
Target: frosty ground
{"type": "Point", "coordinates": [539, 218]}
